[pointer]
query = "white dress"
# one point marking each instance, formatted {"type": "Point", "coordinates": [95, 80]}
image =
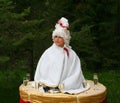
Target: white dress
{"type": "Point", "coordinates": [55, 68]}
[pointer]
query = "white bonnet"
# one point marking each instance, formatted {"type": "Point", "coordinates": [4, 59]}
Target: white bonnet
{"type": "Point", "coordinates": [62, 30]}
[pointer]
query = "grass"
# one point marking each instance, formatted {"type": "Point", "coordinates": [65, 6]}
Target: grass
{"type": "Point", "coordinates": [11, 80]}
{"type": "Point", "coordinates": [9, 95]}
{"type": "Point", "coordinates": [111, 80]}
{"type": "Point", "coordinates": [9, 85]}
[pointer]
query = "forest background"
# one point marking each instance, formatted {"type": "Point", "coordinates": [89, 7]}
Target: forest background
{"type": "Point", "coordinates": [26, 31]}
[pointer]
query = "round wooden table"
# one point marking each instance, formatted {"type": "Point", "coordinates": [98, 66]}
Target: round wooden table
{"type": "Point", "coordinates": [29, 94]}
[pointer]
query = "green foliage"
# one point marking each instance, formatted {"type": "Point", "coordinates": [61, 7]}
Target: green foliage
{"type": "Point", "coordinates": [26, 28]}
{"type": "Point", "coordinates": [84, 46]}
{"type": "Point", "coordinates": [4, 59]}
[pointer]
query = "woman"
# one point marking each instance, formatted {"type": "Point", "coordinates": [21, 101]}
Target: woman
{"type": "Point", "coordinates": [59, 66]}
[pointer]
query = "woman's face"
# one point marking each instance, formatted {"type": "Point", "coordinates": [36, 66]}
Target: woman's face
{"type": "Point", "coordinates": [59, 41]}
